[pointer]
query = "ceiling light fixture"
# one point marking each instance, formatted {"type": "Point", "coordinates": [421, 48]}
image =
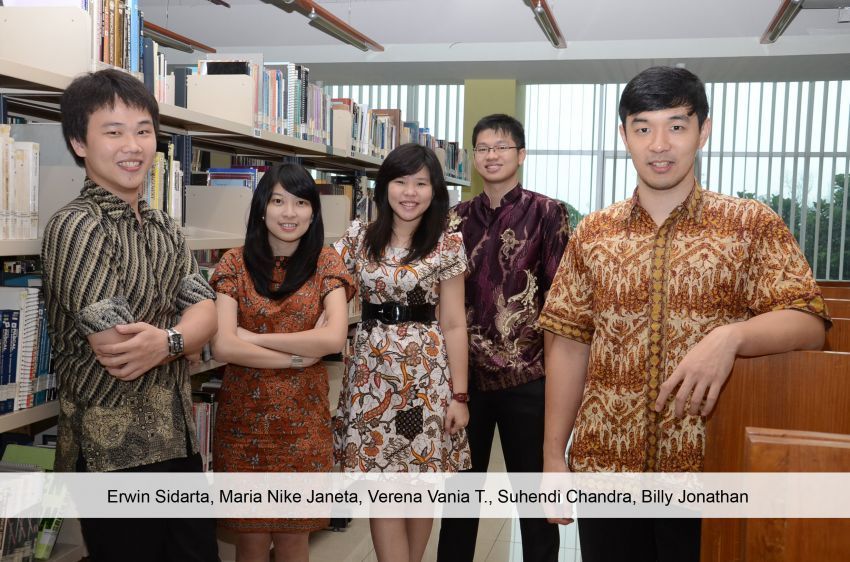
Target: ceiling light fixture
{"type": "Point", "coordinates": [546, 20]}
{"type": "Point", "coordinates": [323, 24]}
{"type": "Point", "coordinates": [326, 22]}
{"type": "Point", "coordinates": [789, 9]}
{"type": "Point", "coordinates": [168, 38]}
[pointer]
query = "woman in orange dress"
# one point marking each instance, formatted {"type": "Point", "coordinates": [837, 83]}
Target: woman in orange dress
{"type": "Point", "coordinates": [282, 305]}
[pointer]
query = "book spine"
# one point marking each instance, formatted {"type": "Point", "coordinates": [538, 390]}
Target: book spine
{"type": "Point", "coordinates": [6, 323]}
{"type": "Point", "coordinates": [135, 35]}
{"type": "Point", "coordinates": [7, 171]}
{"type": "Point", "coordinates": [12, 386]}
{"type": "Point", "coordinates": [48, 531]}
{"type": "Point", "coordinates": [28, 349]}
{"type": "Point", "coordinates": [148, 63]}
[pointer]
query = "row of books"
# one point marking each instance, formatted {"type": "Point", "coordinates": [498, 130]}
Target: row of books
{"type": "Point", "coordinates": [207, 260]}
{"type": "Point", "coordinates": [116, 32]}
{"type": "Point", "coordinates": [26, 377]}
{"type": "Point", "coordinates": [455, 160]}
{"type": "Point", "coordinates": [163, 188]}
{"type": "Point", "coordinates": [358, 129]}
{"type": "Point", "coordinates": [375, 132]}
{"type": "Point", "coordinates": [19, 176]}
{"type": "Point", "coordinates": [154, 68]}
{"type": "Point", "coordinates": [281, 98]}
{"type": "Point", "coordinates": [234, 177]}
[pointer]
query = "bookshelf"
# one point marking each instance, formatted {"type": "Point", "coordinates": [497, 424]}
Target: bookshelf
{"type": "Point", "coordinates": [24, 87]}
{"type": "Point", "coordinates": [34, 92]}
{"type": "Point", "coordinates": [206, 130]}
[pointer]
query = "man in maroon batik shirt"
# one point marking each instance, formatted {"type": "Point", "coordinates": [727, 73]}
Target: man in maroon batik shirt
{"type": "Point", "coordinates": [514, 239]}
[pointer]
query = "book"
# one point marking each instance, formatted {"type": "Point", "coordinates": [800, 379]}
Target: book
{"type": "Point", "coordinates": [23, 191]}
{"type": "Point", "coordinates": [148, 61]}
{"type": "Point", "coordinates": [40, 457]}
{"type": "Point", "coordinates": [48, 532]}
{"type": "Point", "coordinates": [20, 309]}
{"type": "Point", "coordinates": [180, 75]}
{"type": "Point", "coordinates": [7, 167]}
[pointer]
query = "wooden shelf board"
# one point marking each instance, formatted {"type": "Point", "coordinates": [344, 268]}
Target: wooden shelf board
{"type": "Point", "coordinates": [21, 418]}
{"type": "Point", "coordinates": [16, 75]}
{"type": "Point", "coordinates": [205, 366]}
{"type": "Point", "coordinates": [20, 247]}
{"type": "Point", "coordinates": [457, 181]}
{"type": "Point", "coordinates": [201, 239]}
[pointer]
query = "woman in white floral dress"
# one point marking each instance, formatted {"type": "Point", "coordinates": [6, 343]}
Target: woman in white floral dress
{"type": "Point", "coordinates": [403, 402]}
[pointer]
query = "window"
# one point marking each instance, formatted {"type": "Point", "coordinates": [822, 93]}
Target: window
{"type": "Point", "coordinates": [784, 143]}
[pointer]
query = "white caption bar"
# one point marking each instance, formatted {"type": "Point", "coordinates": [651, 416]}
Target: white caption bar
{"type": "Point", "coordinates": [494, 495]}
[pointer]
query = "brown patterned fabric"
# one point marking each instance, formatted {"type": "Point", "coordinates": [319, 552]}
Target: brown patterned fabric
{"type": "Point", "coordinates": [275, 420]}
{"type": "Point", "coordinates": [102, 268]}
{"type": "Point", "coordinates": [642, 296]}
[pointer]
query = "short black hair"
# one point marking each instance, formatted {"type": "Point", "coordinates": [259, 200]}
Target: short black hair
{"type": "Point", "coordinates": [94, 91]}
{"type": "Point", "coordinates": [664, 87]}
{"type": "Point", "coordinates": [257, 253]}
{"type": "Point", "coordinates": [501, 123]}
{"type": "Point", "coordinates": [403, 161]}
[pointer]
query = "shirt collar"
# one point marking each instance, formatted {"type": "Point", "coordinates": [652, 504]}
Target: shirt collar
{"type": "Point", "coordinates": [691, 206]}
{"type": "Point", "coordinates": [115, 207]}
{"type": "Point", "coordinates": [511, 196]}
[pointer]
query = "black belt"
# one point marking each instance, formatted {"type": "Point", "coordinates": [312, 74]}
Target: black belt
{"type": "Point", "coordinates": [395, 313]}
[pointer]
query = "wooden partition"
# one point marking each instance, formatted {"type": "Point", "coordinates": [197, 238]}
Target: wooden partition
{"type": "Point", "coordinates": [845, 284]}
{"type": "Point", "coordinates": [793, 540]}
{"type": "Point", "coordinates": [838, 337]}
{"type": "Point", "coordinates": [838, 308]}
{"type": "Point", "coordinates": [802, 391]}
{"type": "Point", "coordinates": [835, 292]}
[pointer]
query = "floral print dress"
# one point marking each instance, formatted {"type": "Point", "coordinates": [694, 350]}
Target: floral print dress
{"type": "Point", "coordinates": [275, 420]}
{"type": "Point", "coordinates": [397, 384]}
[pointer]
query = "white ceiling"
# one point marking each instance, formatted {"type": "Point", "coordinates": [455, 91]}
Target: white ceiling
{"type": "Point", "coordinates": [449, 40]}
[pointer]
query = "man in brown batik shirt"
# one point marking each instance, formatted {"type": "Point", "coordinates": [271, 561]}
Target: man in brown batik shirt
{"type": "Point", "coordinates": [654, 299]}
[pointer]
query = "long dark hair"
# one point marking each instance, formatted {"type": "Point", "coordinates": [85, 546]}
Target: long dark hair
{"type": "Point", "coordinates": [259, 260]}
{"type": "Point", "coordinates": [405, 160]}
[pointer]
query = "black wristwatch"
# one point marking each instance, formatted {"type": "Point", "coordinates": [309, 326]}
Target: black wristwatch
{"type": "Point", "coordinates": [175, 342]}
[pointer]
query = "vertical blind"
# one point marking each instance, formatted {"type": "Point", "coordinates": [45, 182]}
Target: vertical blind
{"type": "Point", "coordinates": [783, 143]}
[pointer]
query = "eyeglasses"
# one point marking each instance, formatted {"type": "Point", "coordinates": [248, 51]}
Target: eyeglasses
{"type": "Point", "coordinates": [482, 150]}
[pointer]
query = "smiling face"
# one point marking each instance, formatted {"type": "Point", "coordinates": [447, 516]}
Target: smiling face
{"type": "Point", "coordinates": [287, 219]}
{"type": "Point", "coordinates": [119, 149]}
{"type": "Point", "coordinates": [409, 197]}
{"type": "Point", "coordinates": [663, 145]}
{"type": "Point", "coordinates": [499, 166]}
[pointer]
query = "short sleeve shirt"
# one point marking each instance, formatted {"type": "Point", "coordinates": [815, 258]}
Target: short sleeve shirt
{"type": "Point", "coordinates": [642, 296]}
{"type": "Point", "coordinates": [103, 268]}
